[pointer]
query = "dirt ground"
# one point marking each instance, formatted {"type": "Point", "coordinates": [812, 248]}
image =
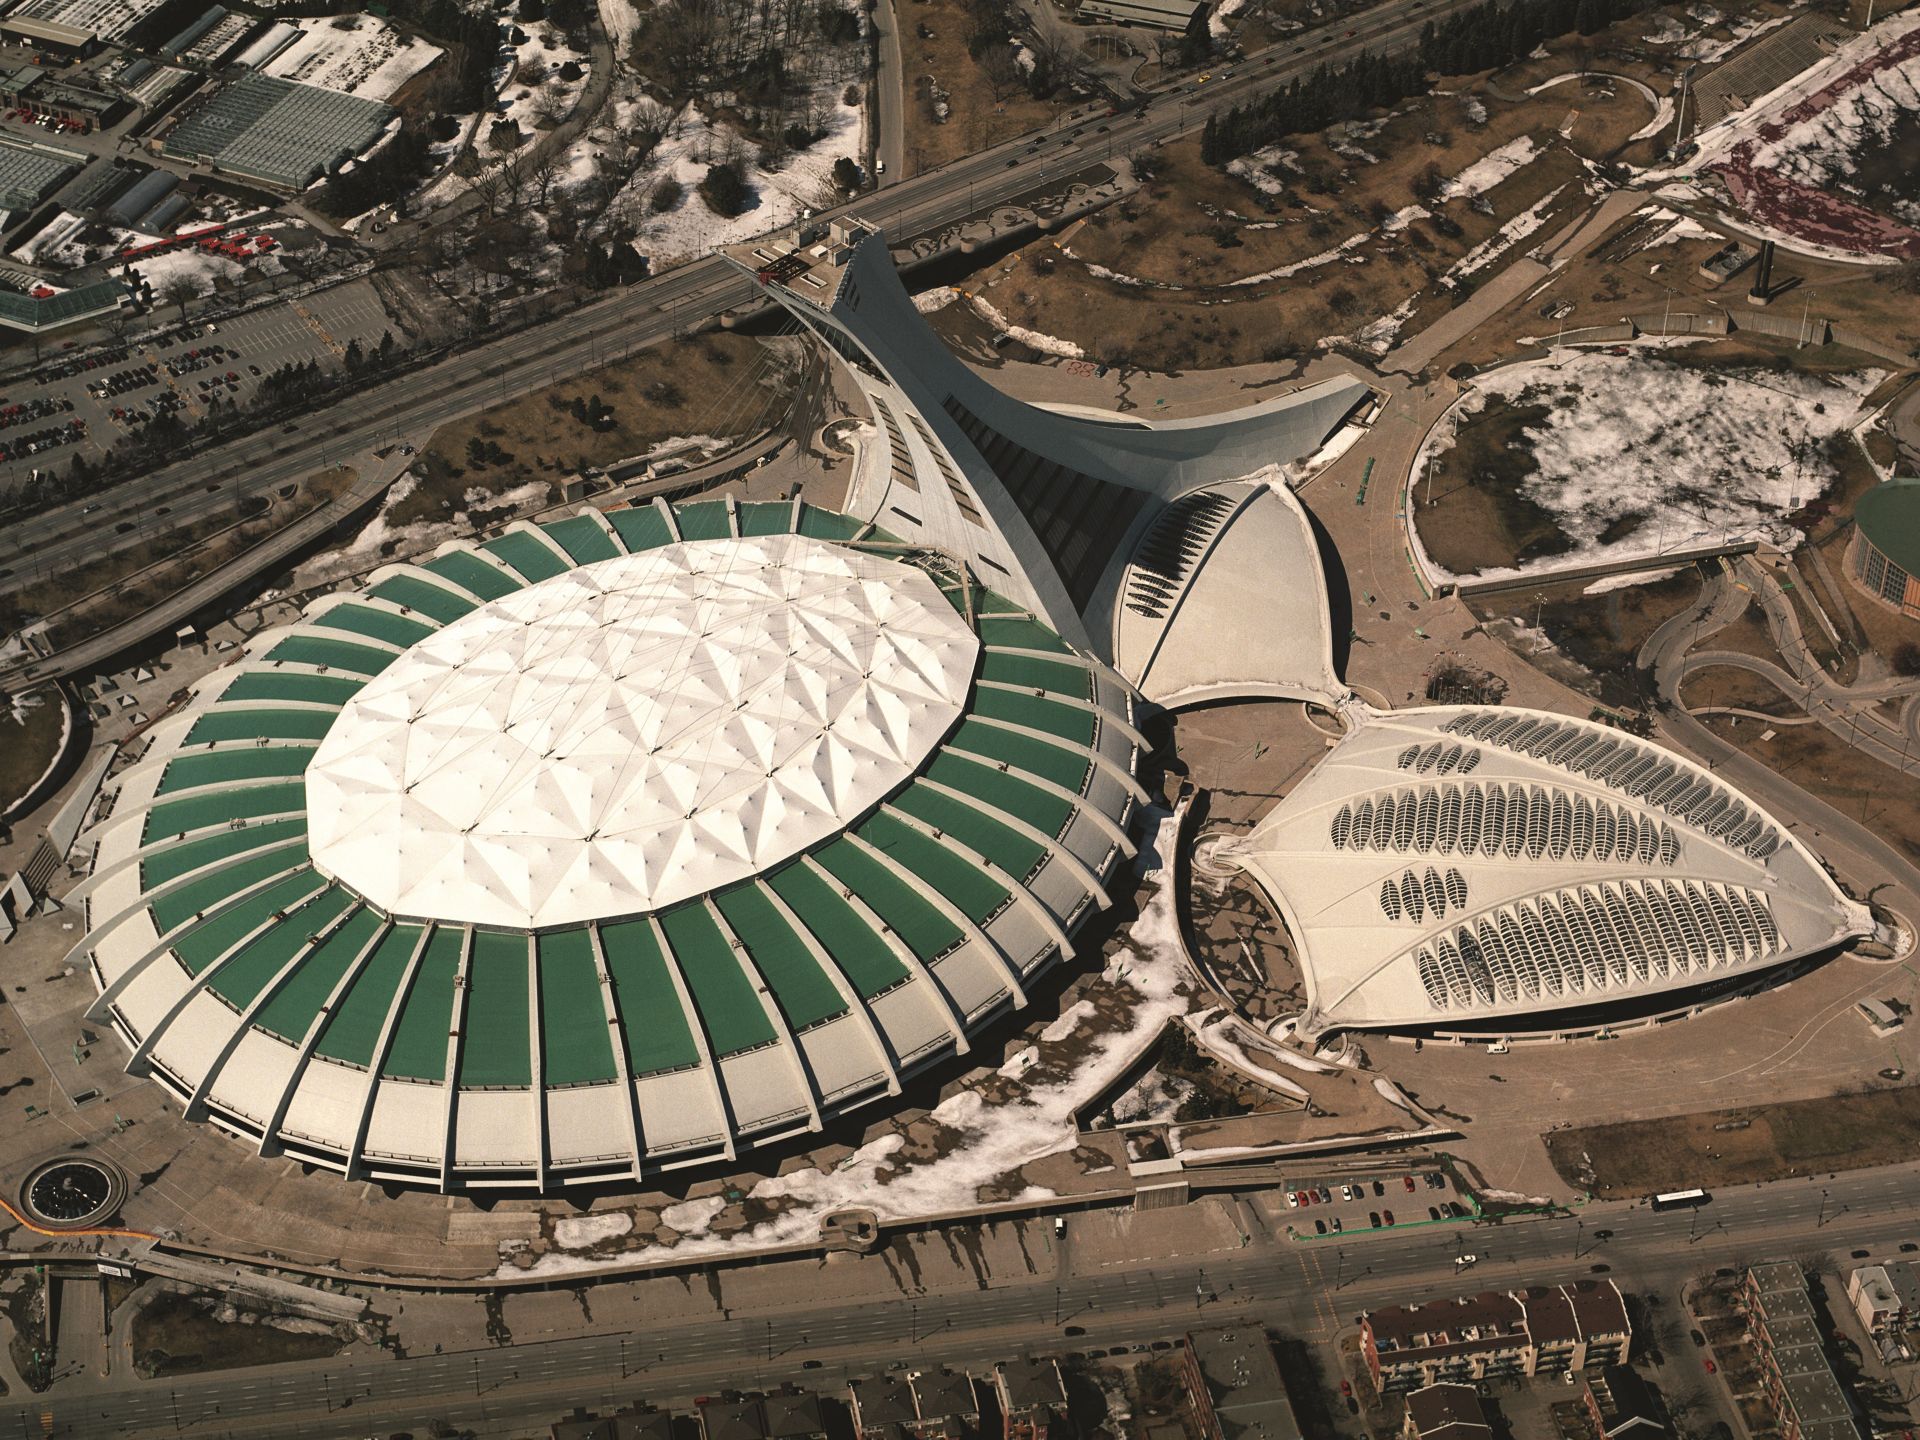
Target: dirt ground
{"type": "Point", "coordinates": [27, 744]}
{"type": "Point", "coordinates": [1195, 230]}
{"type": "Point", "coordinates": [1842, 1132]}
{"type": "Point", "coordinates": [1823, 764]}
{"type": "Point", "coordinates": [175, 1336]}
{"type": "Point", "coordinates": [975, 121]}
{"type": "Point", "coordinates": [711, 385]}
{"type": "Point", "coordinates": [1599, 634]}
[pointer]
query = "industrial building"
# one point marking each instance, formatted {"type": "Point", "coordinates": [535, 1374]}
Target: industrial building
{"type": "Point", "coordinates": [1808, 1401]}
{"type": "Point", "coordinates": [1543, 1330]}
{"type": "Point", "coordinates": [28, 87]}
{"type": "Point", "coordinates": [1154, 14]}
{"type": "Point", "coordinates": [42, 314]}
{"type": "Point", "coordinates": [29, 173]}
{"type": "Point", "coordinates": [277, 132]}
{"type": "Point", "coordinates": [1883, 558]}
{"type": "Point", "coordinates": [101, 21]}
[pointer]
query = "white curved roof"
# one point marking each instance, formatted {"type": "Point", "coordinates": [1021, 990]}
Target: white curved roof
{"type": "Point", "coordinates": [636, 731]}
{"type": "Point", "coordinates": [1193, 617]}
{"type": "Point", "coordinates": [1452, 865]}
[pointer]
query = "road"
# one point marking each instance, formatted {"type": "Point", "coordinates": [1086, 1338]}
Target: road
{"type": "Point", "coordinates": [1310, 1289]}
{"type": "Point", "coordinates": [1879, 871]}
{"type": "Point", "coordinates": [493, 371]}
{"type": "Point", "coordinates": [889, 98]}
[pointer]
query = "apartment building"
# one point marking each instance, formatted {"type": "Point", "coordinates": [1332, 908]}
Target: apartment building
{"type": "Point", "coordinates": [1540, 1330]}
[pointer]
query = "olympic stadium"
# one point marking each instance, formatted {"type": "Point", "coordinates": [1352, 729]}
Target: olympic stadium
{"type": "Point", "coordinates": [633, 840]}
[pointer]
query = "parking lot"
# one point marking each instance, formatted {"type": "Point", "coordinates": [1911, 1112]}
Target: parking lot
{"type": "Point", "coordinates": [77, 408]}
{"type": "Point", "coordinates": [1348, 1202]}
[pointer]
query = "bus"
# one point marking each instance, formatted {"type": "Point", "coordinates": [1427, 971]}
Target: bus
{"type": "Point", "coordinates": [1681, 1199]}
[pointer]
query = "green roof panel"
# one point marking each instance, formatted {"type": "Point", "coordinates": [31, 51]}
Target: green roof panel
{"type": "Point", "coordinates": [434, 601]}
{"type": "Point", "coordinates": [242, 978]}
{"type": "Point", "coordinates": [196, 897]}
{"type": "Point", "coordinates": [652, 1018]}
{"type": "Point", "coordinates": [198, 812]}
{"type": "Point", "coordinates": [221, 767]}
{"type": "Point", "coordinates": [766, 517]}
{"type": "Point", "coordinates": [353, 1031]}
{"type": "Point", "coordinates": [292, 685]}
{"type": "Point", "coordinates": [473, 574]}
{"type": "Point", "coordinates": [703, 520]}
{"type": "Point", "coordinates": [1010, 850]}
{"type": "Point", "coordinates": [914, 919]}
{"type": "Point", "coordinates": [1037, 674]}
{"type": "Point", "coordinates": [527, 554]}
{"type": "Point", "coordinates": [1035, 713]}
{"type": "Point", "coordinates": [975, 892]}
{"type": "Point", "coordinates": [806, 994]}
{"type": "Point", "coordinates": [1065, 767]}
{"type": "Point", "coordinates": [375, 624]}
{"type": "Point", "coordinates": [1019, 633]}
{"type": "Point", "coordinates": [184, 856]}
{"type": "Point", "coordinates": [419, 1047]}
{"type": "Point", "coordinates": [212, 938]}
{"type": "Point", "coordinates": [327, 654]}
{"type": "Point", "coordinates": [291, 1011]}
{"type": "Point", "coordinates": [576, 1043]}
{"type": "Point", "coordinates": [728, 1004]}
{"type": "Point", "coordinates": [227, 723]}
{"type": "Point", "coordinates": [1004, 790]}
{"type": "Point", "coordinates": [864, 958]}
{"type": "Point", "coordinates": [828, 524]}
{"type": "Point", "coordinates": [644, 528]}
{"type": "Point", "coordinates": [496, 1036]}
{"type": "Point", "coordinates": [582, 538]}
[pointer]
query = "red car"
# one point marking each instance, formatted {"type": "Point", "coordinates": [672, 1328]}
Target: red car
{"type": "Point", "coordinates": [1346, 1387]}
{"type": "Point", "coordinates": [1711, 1367]}
{"type": "Point", "coordinates": [1408, 1182]}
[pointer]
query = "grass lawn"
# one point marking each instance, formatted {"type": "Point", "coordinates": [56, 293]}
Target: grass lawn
{"type": "Point", "coordinates": [176, 1336]}
{"type": "Point", "coordinates": [975, 120]}
{"type": "Point", "coordinates": [1714, 685]}
{"type": "Point", "coordinates": [1839, 1132]}
{"type": "Point", "coordinates": [1475, 514]}
{"type": "Point", "coordinates": [27, 744]}
{"type": "Point", "coordinates": [710, 385]}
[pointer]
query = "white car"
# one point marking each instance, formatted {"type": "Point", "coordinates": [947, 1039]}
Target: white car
{"type": "Point", "coordinates": [1346, 1192]}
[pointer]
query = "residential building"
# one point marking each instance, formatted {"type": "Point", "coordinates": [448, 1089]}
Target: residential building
{"type": "Point", "coordinates": [1808, 1401]}
{"type": "Point", "coordinates": [883, 1407]}
{"type": "Point", "coordinates": [1033, 1399]}
{"type": "Point", "coordinates": [1233, 1381]}
{"type": "Point", "coordinates": [732, 1417]}
{"type": "Point", "coordinates": [1446, 1412]}
{"type": "Point", "coordinates": [1540, 1330]}
{"type": "Point", "coordinates": [1886, 1297]}
{"type": "Point", "coordinates": [646, 1424]}
{"type": "Point", "coordinates": [1155, 14]}
{"type": "Point", "coordinates": [946, 1404]}
{"type": "Point", "coordinates": [793, 1414]}
{"type": "Point", "coordinates": [1623, 1406]}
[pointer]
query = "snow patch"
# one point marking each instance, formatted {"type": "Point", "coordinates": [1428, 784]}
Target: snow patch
{"type": "Point", "coordinates": [1032, 339]}
{"type": "Point", "coordinates": [990, 1138]}
{"type": "Point", "coordinates": [1608, 583]}
{"type": "Point", "coordinates": [1490, 169]}
{"type": "Point", "coordinates": [580, 1232]}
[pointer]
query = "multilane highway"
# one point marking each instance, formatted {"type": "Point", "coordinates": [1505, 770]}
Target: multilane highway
{"type": "Point", "coordinates": [491, 372]}
{"type": "Point", "coordinates": [1310, 1289]}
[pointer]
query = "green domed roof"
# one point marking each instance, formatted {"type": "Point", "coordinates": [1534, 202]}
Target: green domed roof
{"type": "Point", "coordinates": [1889, 516]}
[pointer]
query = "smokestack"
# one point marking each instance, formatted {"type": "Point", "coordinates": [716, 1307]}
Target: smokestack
{"type": "Point", "coordinates": [1762, 290]}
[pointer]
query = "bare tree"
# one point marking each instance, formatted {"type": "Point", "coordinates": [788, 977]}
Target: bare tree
{"type": "Point", "coordinates": [178, 291]}
{"type": "Point", "coordinates": [1001, 70]}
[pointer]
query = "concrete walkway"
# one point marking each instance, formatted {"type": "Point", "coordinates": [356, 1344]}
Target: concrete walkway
{"type": "Point", "coordinates": [1415, 354]}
